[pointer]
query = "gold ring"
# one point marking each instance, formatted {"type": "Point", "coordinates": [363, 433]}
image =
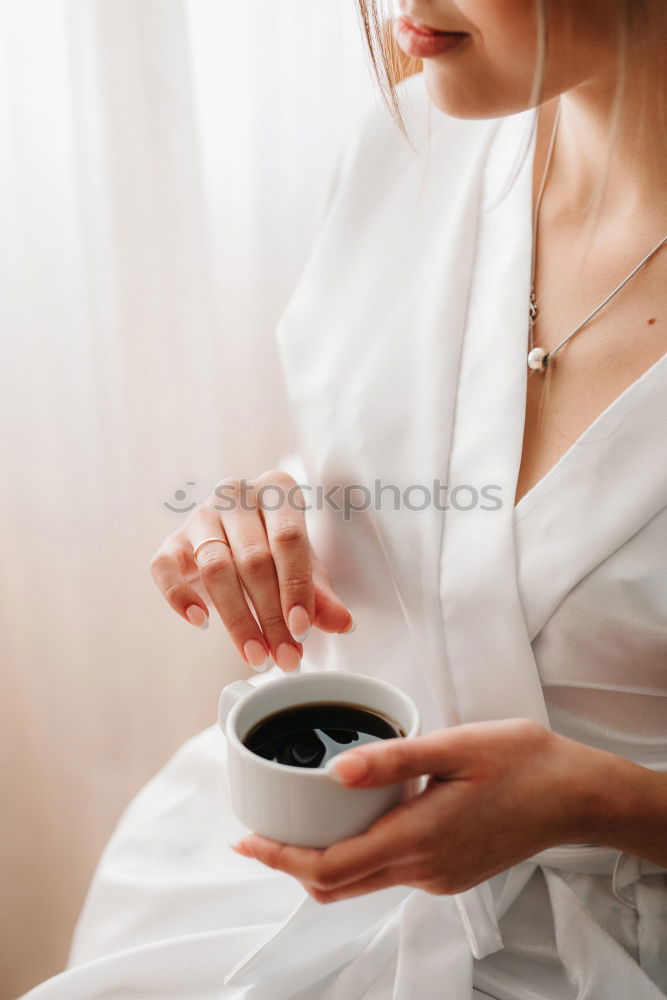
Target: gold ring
{"type": "Point", "coordinates": [205, 541]}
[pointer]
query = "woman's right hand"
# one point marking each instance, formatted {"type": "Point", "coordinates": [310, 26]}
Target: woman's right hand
{"type": "Point", "coordinates": [268, 557]}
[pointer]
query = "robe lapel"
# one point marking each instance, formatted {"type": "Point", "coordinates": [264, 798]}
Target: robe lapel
{"type": "Point", "coordinates": [374, 392]}
{"type": "Point", "coordinates": [488, 648]}
{"type": "Point", "coordinates": [604, 489]}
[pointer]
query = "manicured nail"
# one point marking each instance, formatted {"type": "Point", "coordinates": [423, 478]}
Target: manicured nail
{"type": "Point", "coordinates": [256, 655]}
{"type": "Point", "coordinates": [196, 616]}
{"type": "Point", "coordinates": [350, 768]}
{"type": "Point", "coordinates": [287, 657]}
{"type": "Point", "coordinates": [241, 849]}
{"type": "Point", "coordinates": [351, 627]}
{"type": "Point", "coordinates": [298, 622]}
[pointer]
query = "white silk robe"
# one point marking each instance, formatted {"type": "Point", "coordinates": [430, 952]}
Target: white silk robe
{"type": "Point", "coordinates": [404, 350]}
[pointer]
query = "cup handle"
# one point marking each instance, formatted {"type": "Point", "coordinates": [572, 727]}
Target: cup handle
{"type": "Point", "coordinates": [228, 698]}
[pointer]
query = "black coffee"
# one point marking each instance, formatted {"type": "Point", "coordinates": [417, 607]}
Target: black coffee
{"type": "Point", "coordinates": [310, 735]}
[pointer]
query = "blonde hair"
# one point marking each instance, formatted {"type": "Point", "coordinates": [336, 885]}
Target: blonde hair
{"type": "Point", "coordinates": [390, 64]}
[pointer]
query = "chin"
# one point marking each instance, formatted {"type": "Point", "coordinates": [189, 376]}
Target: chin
{"type": "Point", "coordinates": [462, 98]}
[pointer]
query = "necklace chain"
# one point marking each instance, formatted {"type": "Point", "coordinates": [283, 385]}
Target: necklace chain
{"type": "Point", "coordinates": [538, 202]}
{"type": "Point", "coordinates": [538, 358]}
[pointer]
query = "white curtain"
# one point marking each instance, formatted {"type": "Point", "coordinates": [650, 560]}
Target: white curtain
{"type": "Point", "coordinates": [162, 167]}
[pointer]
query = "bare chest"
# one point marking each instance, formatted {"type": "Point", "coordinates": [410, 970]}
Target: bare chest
{"type": "Point", "coordinates": [600, 362]}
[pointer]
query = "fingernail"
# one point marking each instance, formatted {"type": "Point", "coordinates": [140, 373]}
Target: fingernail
{"type": "Point", "coordinates": [287, 657]}
{"type": "Point", "coordinates": [298, 622]}
{"type": "Point", "coordinates": [349, 768]}
{"type": "Point", "coordinates": [196, 616]}
{"type": "Point", "coordinates": [351, 627]}
{"type": "Point", "coordinates": [256, 655]}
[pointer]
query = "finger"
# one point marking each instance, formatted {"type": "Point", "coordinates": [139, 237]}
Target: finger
{"type": "Point", "coordinates": [387, 762]}
{"type": "Point", "coordinates": [255, 566]}
{"type": "Point", "coordinates": [345, 861]}
{"type": "Point", "coordinates": [384, 878]}
{"type": "Point", "coordinates": [168, 571]}
{"type": "Point", "coordinates": [331, 615]}
{"type": "Point", "coordinates": [463, 752]}
{"type": "Point", "coordinates": [282, 504]}
{"type": "Point", "coordinates": [215, 565]}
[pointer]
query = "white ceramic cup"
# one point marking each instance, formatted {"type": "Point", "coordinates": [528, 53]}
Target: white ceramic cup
{"type": "Point", "coordinates": [299, 805]}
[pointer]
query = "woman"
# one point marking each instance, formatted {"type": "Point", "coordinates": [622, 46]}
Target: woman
{"type": "Point", "coordinates": [500, 541]}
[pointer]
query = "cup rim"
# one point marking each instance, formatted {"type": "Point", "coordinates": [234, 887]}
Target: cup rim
{"type": "Point", "coordinates": [314, 773]}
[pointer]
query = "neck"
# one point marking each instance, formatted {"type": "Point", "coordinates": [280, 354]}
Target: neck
{"type": "Point", "coordinates": [621, 135]}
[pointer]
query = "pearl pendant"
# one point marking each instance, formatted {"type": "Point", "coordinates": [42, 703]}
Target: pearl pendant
{"type": "Point", "coordinates": [538, 359]}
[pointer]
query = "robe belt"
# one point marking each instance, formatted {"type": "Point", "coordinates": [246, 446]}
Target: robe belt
{"type": "Point", "coordinates": [481, 908]}
{"type": "Point", "coordinates": [625, 869]}
{"type": "Point", "coordinates": [587, 859]}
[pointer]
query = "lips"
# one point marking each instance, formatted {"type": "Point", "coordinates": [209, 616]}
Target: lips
{"type": "Point", "coordinates": [422, 41]}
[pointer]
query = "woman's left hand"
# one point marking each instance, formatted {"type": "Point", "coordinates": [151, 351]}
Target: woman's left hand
{"type": "Point", "coordinates": [498, 792]}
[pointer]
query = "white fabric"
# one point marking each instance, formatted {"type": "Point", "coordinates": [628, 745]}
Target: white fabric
{"type": "Point", "coordinates": [404, 352]}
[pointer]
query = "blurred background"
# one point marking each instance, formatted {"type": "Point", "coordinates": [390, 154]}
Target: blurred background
{"type": "Point", "coordinates": [163, 164]}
